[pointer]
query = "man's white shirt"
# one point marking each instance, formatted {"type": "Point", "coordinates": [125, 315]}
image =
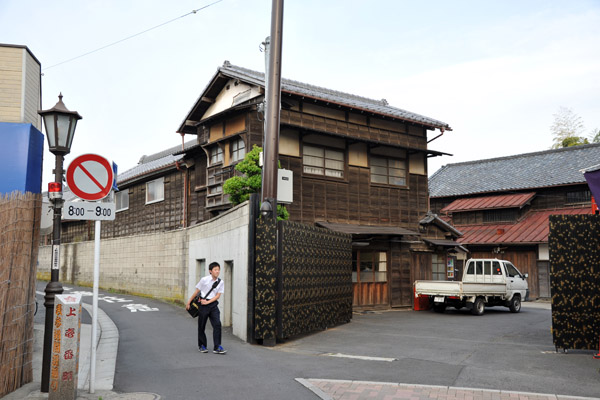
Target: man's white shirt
{"type": "Point", "coordinates": [205, 285]}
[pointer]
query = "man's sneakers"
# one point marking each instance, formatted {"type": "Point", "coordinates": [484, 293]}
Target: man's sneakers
{"type": "Point", "coordinates": [202, 349]}
{"type": "Point", "coordinates": [219, 350]}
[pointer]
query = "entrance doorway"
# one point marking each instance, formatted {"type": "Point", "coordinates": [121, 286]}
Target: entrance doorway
{"type": "Point", "coordinates": [228, 295]}
{"type": "Point", "coordinates": [370, 277]}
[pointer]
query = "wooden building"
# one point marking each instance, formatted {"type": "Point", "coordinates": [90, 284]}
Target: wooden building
{"type": "Point", "coordinates": [359, 166]}
{"type": "Point", "coordinates": [502, 205]}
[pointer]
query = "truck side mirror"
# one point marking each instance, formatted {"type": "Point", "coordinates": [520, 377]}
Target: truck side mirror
{"type": "Point", "coordinates": [525, 276]}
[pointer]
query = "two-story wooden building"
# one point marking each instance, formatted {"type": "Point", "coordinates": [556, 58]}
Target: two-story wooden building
{"type": "Point", "coordinates": [359, 166]}
{"type": "Point", "coordinates": [502, 205]}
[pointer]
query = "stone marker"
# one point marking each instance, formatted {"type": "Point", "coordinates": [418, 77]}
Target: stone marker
{"type": "Point", "coordinates": [64, 365]}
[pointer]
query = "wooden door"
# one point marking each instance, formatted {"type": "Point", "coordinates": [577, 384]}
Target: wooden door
{"type": "Point", "coordinates": [370, 278]}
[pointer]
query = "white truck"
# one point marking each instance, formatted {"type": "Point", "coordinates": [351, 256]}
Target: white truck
{"type": "Point", "coordinates": [485, 283]}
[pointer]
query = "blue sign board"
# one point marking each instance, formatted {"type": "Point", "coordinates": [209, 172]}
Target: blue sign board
{"type": "Point", "coordinates": [21, 156]}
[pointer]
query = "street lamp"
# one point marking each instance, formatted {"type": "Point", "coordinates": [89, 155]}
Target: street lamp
{"type": "Point", "coordinates": [60, 128]}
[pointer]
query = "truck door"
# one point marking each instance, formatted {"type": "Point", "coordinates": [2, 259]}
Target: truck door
{"type": "Point", "coordinates": [514, 280]}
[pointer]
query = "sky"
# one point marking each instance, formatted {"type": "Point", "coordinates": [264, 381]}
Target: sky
{"type": "Point", "coordinates": [495, 71]}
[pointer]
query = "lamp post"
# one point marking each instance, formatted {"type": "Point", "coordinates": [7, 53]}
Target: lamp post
{"type": "Point", "coordinates": [60, 128]}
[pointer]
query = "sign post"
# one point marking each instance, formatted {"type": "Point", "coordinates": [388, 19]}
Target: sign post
{"type": "Point", "coordinates": [91, 177]}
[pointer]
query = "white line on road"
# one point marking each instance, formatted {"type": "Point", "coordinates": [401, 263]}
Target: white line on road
{"type": "Point", "coordinates": [360, 357]}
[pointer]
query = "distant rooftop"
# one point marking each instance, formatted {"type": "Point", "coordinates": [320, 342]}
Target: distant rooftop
{"type": "Point", "coordinates": [518, 172]}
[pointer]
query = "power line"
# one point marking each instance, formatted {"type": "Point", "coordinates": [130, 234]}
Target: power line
{"type": "Point", "coordinates": [130, 37]}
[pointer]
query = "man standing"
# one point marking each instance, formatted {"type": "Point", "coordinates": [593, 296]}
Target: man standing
{"type": "Point", "coordinates": [210, 289]}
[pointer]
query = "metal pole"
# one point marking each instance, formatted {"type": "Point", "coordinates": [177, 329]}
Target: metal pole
{"type": "Point", "coordinates": [98, 230]}
{"type": "Point", "coordinates": [273, 95]}
{"type": "Point", "coordinates": [53, 287]}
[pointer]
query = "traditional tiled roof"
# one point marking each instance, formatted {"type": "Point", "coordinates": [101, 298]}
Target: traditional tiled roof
{"type": "Point", "coordinates": [518, 172]}
{"type": "Point", "coordinates": [333, 96]}
{"type": "Point", "coordinates": [291, 87]}
{"type": "Point", "coordinates": [154, 163]}
{"type": "Point", "coordinates": [533, 229]}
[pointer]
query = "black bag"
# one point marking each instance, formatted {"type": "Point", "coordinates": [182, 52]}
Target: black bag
{"type": "Point", "coordinates": [194, 309]}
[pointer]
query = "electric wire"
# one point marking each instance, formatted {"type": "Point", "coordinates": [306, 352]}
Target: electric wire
{"type": "Point", "coordinates": [131, 37]}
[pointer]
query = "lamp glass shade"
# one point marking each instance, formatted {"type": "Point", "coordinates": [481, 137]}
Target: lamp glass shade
{"type": "Point", "coordinates": [50, 131]}
{"type": "Point", "coordinates": [62, 125]}
{"type": "Point", "coordinates": [72, 125]}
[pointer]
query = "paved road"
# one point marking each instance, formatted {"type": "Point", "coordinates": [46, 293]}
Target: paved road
{"type": "Point", "coordinates": [497, 351]}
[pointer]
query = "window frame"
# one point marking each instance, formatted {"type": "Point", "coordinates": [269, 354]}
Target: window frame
{"type": "Point", "coordinates": [218, 152]}
{"type": "Point", "coordinates": [235, 152]}
{"type": "Point", "coordinates": [162, 181]}
{"type": "Point", "coordinates": [403, 161]}
{"type": "Point", "coordinates": [118, 195]}
{"type": "Point", "coordinates": [325, 149]}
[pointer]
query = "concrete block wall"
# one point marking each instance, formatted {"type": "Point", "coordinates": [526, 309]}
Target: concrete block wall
{"type": "Point", "coordinates": [164, 264]}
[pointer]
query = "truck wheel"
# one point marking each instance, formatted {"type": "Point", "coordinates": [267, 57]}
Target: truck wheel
{"type": "Point", "coordinates": [478, 306]}
{"type": "Point", "coordinates": [439, 307]}
{"type": "Point", "coordinates": [515, 304]}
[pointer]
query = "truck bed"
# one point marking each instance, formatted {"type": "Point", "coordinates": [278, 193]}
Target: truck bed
{"type": "Point", "coordinates": [458, 288]}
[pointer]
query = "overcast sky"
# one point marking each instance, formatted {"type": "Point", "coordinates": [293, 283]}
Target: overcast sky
{"type": "Point", "coordinates": [495, 71]}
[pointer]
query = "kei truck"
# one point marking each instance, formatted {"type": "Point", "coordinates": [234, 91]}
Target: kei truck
{"type": "Point", "coordinates": [485, 283]}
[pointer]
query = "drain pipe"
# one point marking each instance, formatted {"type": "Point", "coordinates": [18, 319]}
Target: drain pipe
{"type": "Point", "coordinates": [442, 130]}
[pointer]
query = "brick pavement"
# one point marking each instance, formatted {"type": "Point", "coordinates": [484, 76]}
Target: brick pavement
{"type": "Point", "coordinates": [329, 389]}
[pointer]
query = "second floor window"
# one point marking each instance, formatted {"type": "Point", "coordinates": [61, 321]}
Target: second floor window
{"type": "Point", "coordinates": [216, 155]}
{"type": "Point", "coordinates": [238, 150]}
{"type": "Point", "coordinates": [155, 190]}
{"type": "Point", "coordinates": [323, 161]}
{"type": "Point", "coordinates": [583, 196]}
{"type": "Point", "coordinates": [122, 200]}
{"type": "Point", "coordinates": [388, 171]}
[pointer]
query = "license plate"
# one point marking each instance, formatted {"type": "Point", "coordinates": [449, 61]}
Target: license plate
{"type": "Point", "coordinates": [438, 299]}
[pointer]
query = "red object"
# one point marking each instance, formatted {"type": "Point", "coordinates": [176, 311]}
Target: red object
{"type": "Point", "coordinates": [489, 202]}
{"type": "Point", "coordinates": [54, 187]}
{"type": "Point", "coordinates": [421, 303]}
{"type": "Point", "coordinates": [533, 229]}
{"type": "Point", "coordinates": [597, 356]}
{"type": "Point", "coordinates": [90, 177]}
{"type": "Point", "coordinates": [594, 206]}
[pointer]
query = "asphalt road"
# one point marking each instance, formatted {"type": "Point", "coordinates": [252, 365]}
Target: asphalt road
{"type": "Point", "coordinates": [499, 350]}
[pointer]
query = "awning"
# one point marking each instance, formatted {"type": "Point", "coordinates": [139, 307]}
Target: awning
{"type": "Point", "coordinates": [366, 229]}
{"type": "Point", "coordinates": [489, 202]}
{"type": "Point", "coordinates": [445, 243]}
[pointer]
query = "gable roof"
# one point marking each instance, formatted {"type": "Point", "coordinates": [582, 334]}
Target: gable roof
{"type": "Point", "coordinates": [229, 71]}
{"type": "Point", "coordinates": [518, 172]}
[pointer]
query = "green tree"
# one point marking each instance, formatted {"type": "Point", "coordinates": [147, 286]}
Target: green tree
{"type": "Point", "coordinates": [239, 188]}
{"type": "Point", "coordinates": [595, 135]}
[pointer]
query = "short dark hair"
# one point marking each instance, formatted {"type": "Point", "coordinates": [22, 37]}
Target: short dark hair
{"type": "Point", "coordinates": [212, 265]}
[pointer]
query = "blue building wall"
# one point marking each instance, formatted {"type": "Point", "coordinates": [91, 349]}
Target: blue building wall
{"type": "Point", "coordinates": [21, 156]}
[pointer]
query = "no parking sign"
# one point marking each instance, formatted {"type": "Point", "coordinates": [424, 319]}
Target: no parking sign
{"type": "Point", "coordinates": [90, 177]}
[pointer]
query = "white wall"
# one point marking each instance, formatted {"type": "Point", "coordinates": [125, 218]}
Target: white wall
{"type": "Point", "coordinates": [222, 239]}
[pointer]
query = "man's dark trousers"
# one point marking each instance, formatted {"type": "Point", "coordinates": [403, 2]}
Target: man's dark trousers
{"type": "Point", "coordinates": [210, 311]}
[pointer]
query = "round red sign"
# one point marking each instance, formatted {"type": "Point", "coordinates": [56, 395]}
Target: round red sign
{"type": "Point", "coordinates": [90, 177]}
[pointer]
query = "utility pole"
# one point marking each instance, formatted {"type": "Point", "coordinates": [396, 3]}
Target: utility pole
{"type": "Point", "coordinates": [273, 106]}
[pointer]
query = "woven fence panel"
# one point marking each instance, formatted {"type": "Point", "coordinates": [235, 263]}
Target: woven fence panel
{"type": "Point", "coordinates": [316, 279]}
{"type": "Point", "coordinates": [19, 239]}
{"type": "Point", "coordinates": [574, 244]}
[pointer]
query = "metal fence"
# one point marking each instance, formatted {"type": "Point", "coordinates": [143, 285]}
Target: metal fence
{"type": "Point", "coordinates": [303, 279]}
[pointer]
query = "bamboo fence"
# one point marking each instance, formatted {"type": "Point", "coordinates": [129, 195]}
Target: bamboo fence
{"type": "Point", "coordinates": [19, 238]}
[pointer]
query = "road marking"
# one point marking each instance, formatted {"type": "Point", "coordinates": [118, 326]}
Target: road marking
{"type": "Point", "coordinates": [360, 357]}
{"type": "Point", "coordinates": [139, 307]}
